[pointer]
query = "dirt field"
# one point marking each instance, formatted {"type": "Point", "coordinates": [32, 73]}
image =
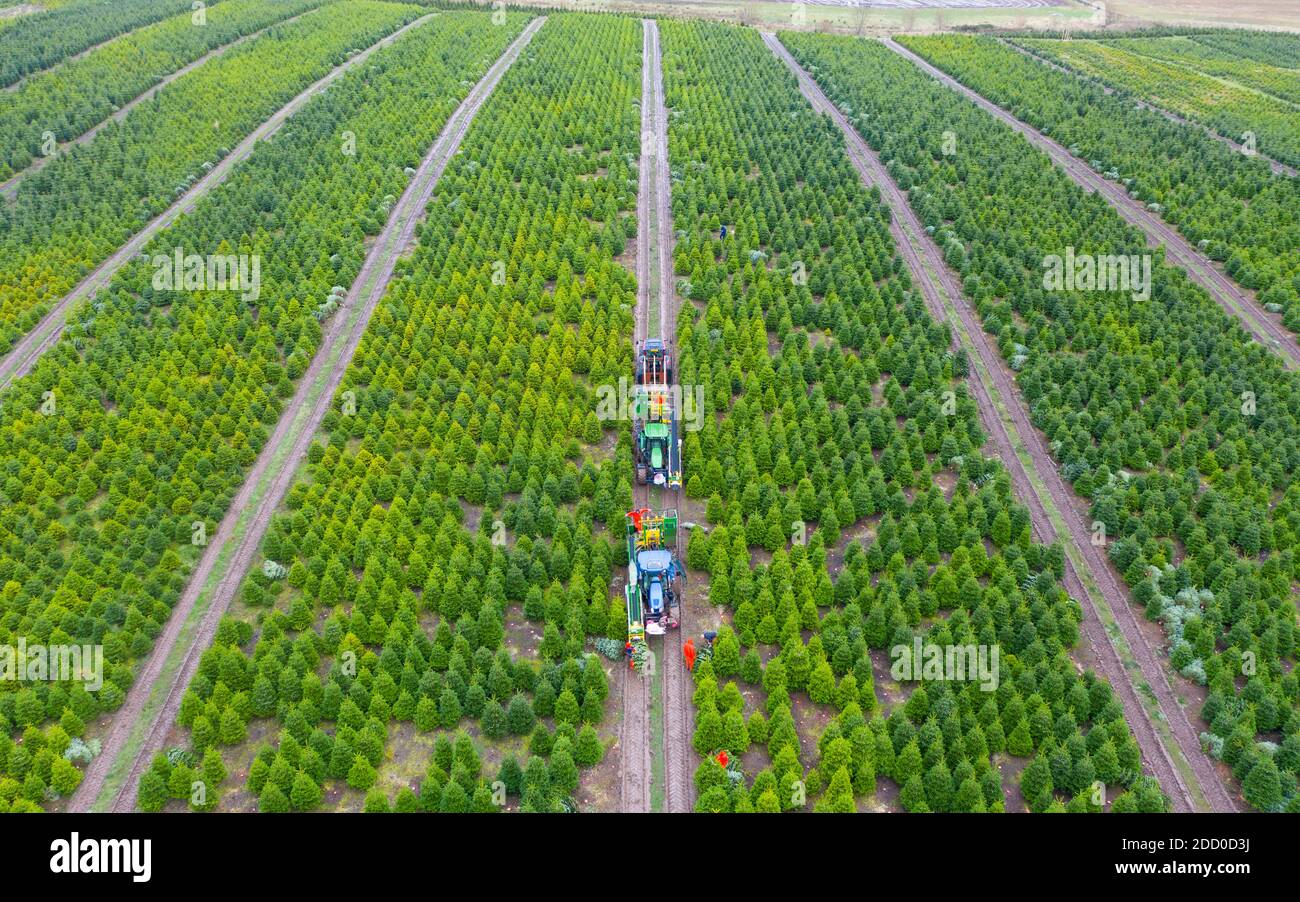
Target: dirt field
{"type": "Point", "coordinates": [1268, 14]}
{"type": "Point", "coordinates": [874, 17]}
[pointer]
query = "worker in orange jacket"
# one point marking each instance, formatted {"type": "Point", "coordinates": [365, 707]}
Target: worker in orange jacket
{"type": "Point", "coordinates": [688, 652]}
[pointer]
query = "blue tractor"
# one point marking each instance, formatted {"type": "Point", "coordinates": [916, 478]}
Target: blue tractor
{"type": "Point", "coordinates": [654, 575]}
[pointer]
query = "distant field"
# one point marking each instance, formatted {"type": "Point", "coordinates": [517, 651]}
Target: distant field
{"type": "Point", "coordinates": [1208, 60]}
{"type": "Point", "coordinates": [1283, 14]}
{"type": "Point", "coordinates": [938, 15]}
{"type": "Point", "coordinates": [844, 15]}
{"type": "Point", "coordinates": [1230, 108]}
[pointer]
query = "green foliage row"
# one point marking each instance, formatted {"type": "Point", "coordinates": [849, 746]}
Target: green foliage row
{"type": "Point", "coordinates": [1234, 207]}
{"type": "Point", "coordinates": [474, 401]}
{"type": "Point", "coordinates": [164, 398]}
{"type": "Point", "coordinates": [71, 99]}
{"type": "Point", "coordinates": [1229, 109]}
{"type": "Point", "coordinates": [1275, 48]}
{"type": "Point", "coordinates": [1196, 53]}
{"type": "Point", "coordinates": [1181, 431]}
{"type": "Point", "coordinates": [41, 40]}
{"type": "Point", "coordinates": [70, 216]}
{"type": "Point", "coordinates": [842, 428]}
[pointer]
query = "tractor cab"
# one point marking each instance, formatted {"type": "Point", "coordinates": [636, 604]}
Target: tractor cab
{"type": "Point", "coordinates": [657, 452]}
{"type": "Point", "coordinates": [654, 365]}
{"type": "Point", "coordinates": [655, 568]}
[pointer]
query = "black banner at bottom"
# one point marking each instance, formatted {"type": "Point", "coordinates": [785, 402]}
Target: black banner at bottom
{"type": "Point", "coordinates": [139, 853]}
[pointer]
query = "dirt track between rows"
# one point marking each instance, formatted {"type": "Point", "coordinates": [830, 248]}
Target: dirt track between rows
{"type": "Point", "coordinates": [44, 335]}
{"type": "Point", "coordinates": [679, 782]}
{"type": "Point", "coordinates": [634, 731]}
{"type": "Point", "coordinates": [9, 188]}
{"type": "Point", "coordinates": [934, 278]}
{"type": "Point", "coordinates": [1265, 327]}
{"type": "Point", "coordinates": [298, 424]}
{"type": "Point", "coordinates": [656, 316]}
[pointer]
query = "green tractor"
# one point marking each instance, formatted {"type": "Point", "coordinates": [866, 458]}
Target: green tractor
{"type": "Point", "coordinates": [656, 444]}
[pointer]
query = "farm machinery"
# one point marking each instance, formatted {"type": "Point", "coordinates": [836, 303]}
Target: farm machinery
{"type": "Point", "coordinates": [656, 439]}
{"type": "Point", "coordinates": [654, 575]}
{"type": "Point", "coordinates": [654, 363]}
{"type": "Point", "coordinates": [656, 442]}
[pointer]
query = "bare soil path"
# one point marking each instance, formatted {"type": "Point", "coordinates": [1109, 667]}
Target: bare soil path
{"type": "Point", "coordinates": [1263, 326]}
{"type": "Point", "coordinates": [1170, 746]}
{"type": "Point", "coordinates": [111, 778]}
{"type": "Point", "coordinates": [679, 778]}
{"type": "Point", "coordinates": [29, 349]}
{"type": "Point", "coordinates": [9, 188]}
{"type": "Point", "coordinates": [634, 743]}
{"type": "Point", "coordinates": [638, 754]}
